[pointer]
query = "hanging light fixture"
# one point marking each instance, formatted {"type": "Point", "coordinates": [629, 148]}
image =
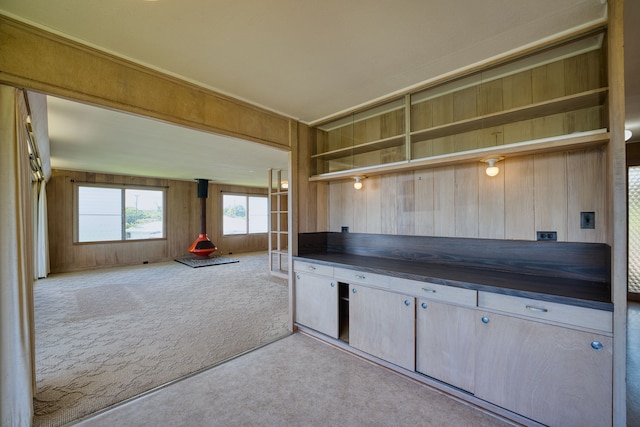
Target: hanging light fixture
{"type": "Point", "coordinates": [492, 169]}
{"type": "Point", "coordinates": [358, 184]}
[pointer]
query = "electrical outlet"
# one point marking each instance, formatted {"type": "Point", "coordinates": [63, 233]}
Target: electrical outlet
{"type": "Point", "coordinates": [587, 220]}
{"type": "Point", "coordinates": [345, 229]}
{"type": "Point", "coordinates": [547, 235]}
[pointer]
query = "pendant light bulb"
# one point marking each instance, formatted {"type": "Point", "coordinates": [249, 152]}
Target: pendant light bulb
{"type": "Point", "coordinates": [492, 169]}
{"type": "Point", "coordinates": [358, 184]}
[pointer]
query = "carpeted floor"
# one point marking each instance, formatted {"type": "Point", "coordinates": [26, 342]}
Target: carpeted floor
{"type": "Point", "coordinates": [104, 336]}
{"type": "Point", "coordinates": [296, 381]}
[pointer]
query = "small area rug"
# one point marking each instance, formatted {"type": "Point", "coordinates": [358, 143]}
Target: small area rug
{"type": "Point", "coordinates": [205, 262]}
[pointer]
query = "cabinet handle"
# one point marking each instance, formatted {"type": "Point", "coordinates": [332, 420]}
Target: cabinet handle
{"type": "Point", "coordinates": [485, 320]}
{"type": "Point", "coordinates": [311, 267]}
{"type": "Point", "coordinates": [596, 345]}
{"type": "Point", "coordinates": [407, 302]}
{"type": "Point", "coordinates": [423, 305]}
{"type": "Point", "coordinates": [431, 291]}
{"type": "Point", "coordinates": [298, 276]}
{"type": "Point", "coordinates": [360, 276]}
{"type": "Point", "coordinates": [536, 309]}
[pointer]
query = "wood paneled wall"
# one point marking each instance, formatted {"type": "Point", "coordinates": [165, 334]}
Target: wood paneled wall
{"type": "Point", "coordinates": [544, 192]}
{"type": "Point", "coordinates": [182, 217]}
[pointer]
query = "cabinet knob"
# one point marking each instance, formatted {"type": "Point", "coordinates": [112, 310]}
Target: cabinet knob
{"type": "Point", "coordinates": [423, 305]}
{"type": "Point", "coordinates": [407, 302]}
{"type": "Point", "coordinates": [298, 276]}
{"type": "Point", "coordinates": [354, 290]}
{"type": "Point", "coordinates": [485, 319]}
{"type": "Point", "coordinates": [333, 285]}
{"type": "Point", "coordinates": [596, 345]}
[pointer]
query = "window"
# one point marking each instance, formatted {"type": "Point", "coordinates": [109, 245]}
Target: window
{"type": "Point", "coordinates": [112, 214]}
{"type": "Point", "coordinates": [244, 214]}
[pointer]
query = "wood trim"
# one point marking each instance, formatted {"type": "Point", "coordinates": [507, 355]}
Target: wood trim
{"type": "Point", "coordinates": [617, 182]}
{"type": "Point", "coordinates": [79, 72]}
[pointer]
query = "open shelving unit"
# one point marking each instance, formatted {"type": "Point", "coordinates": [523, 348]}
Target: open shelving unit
{"type": "Point", "coordinates": [278, 223]}
{"type": "Point", "coordinates": [555, 97]}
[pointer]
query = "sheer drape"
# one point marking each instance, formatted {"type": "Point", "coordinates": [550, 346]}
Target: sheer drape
{"type": "Point", "coordinates": [42, 232]}
{"type": "Point", "coordinates": [16, 265]}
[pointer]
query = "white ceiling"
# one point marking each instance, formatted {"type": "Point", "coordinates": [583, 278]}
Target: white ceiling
{"type": "Point", "coordinates": [302, 58]}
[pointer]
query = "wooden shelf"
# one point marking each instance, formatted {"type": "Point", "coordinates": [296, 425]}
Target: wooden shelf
{"type": "Point", "coordinates": [393, 141]}
{"type": "Point", "coordinates": [564, 104]}
{"type": "Point", "coordinates": [545, 145]}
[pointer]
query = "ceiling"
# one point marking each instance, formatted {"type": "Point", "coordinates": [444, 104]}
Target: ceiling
{"type": "Point", "coordinates": [301, 58]}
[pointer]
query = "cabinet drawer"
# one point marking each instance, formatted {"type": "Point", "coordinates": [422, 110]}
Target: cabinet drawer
{"type": "Point", "coordinates": [432, 291]}
{"type": "Point", "coordinates": [310, 267]}
{"type": "Point", "coordinates": [361, 277]}
{"type": "Point", "coordinates": [571, 315]}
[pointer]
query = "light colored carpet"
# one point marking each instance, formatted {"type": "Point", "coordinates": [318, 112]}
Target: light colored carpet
{"type": "Point", "coordinates": [104, 336]}
{"type": "Point", "coordinates": [296, 381]}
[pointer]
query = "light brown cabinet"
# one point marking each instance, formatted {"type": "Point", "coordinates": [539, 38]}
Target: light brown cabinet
{"type": "Point", "coordinates": [549, 362]}
{"type": "Point", "coordinates": [555, 375]}
{"type": "Point", "coordinates": [382, 324]}
{"type": "Point", "coordinates": [317, 303]}
{"type": "Point", "coordinates": [445, 345]}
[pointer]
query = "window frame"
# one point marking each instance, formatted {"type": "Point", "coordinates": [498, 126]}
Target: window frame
{"type": "Point", "coordinates": [123, 188]}
{"type": "Point", "coordinates": [247, 196]}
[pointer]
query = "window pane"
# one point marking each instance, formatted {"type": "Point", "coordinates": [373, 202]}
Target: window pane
{"type": "Point", "coordinates": [234, 217]}
{"type": "Point", "coordinates": [144, 214]}
{"type": "Point", "coordinates": [258, 211]}
{"type": "Point", "coordinates": [99, 214]}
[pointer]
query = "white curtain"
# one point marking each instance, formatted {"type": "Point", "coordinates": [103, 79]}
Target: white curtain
{"type": "Point", "coordinates": [17, 378]}
{"type": "Point", "coordinates": [42, 233]}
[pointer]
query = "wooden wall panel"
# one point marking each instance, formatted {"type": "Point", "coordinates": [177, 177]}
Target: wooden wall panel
{"type": "Point", "coordinates": [406, 204]}
{"type": "Point", "coordinates": [491, 199]}
{"type": "Point", "coordinates": [372, 191]}
{"type": "Point", "coordinates": [389, 204]}
{"type": "Point", "coordinates": [519, 216]}
{"type": "Point", "coordinates": [339, 208]}
{"type": "Point", "coordinates": [586, 182]}
{"type": "Point", "coordinates": [466, 200]}
{"type": "Point", "coordinates": [550, 192]}
{"type": "Point", "coordinates": [544, 192]}
{"type": "Point", "coordinates": [182, 217]}
{"type": "Point", "coordinates": [444, 206]}
{"type": "Point", "coordinates": [360, 207]}
{"type": "Point", "coordinates": [424, 200]}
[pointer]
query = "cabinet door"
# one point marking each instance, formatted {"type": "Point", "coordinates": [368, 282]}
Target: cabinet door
{"type": "Point", "coordinates": [382, 323]}
{"type": "Point", "coordinates": [445, 342]}
{"type": "Point", "coordinates": [554, 375]}
{"type": "Point", "coordinates": [317, 303]}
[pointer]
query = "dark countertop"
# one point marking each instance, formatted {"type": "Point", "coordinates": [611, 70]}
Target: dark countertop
{"type": "Point", "coordinates": [575, 292]}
